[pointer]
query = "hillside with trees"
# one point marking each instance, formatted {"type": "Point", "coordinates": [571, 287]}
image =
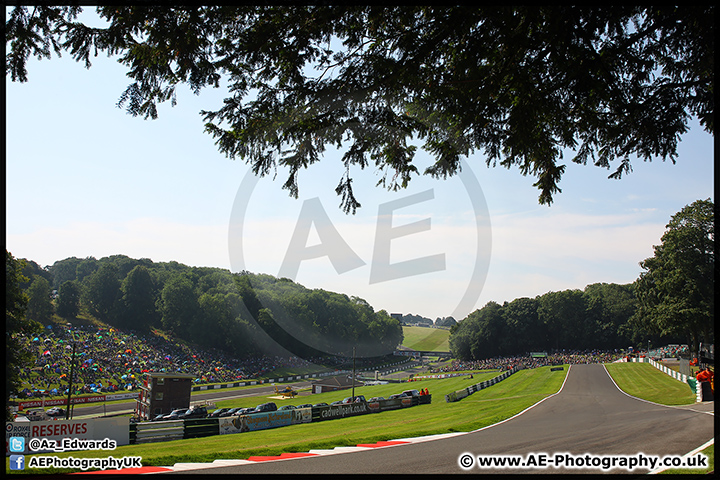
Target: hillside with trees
{"type": "Point", "coordinates": [243, 314]}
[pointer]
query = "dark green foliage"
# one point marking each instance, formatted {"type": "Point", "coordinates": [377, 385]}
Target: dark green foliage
{"type": "Point", "coordinates": [314, 322]}
{"type": "Point", "coordinates": [178, 305]}
{"type": "Point", "coordinates": [525, 332]}
{"type": "Point", "coordinates": [412, 319]}
{"type": "Point", "coordinates": [137, 309]}
{"type": "Point", "coordinates": [242, 314]}
{"type": "Point", "coordinates": [31, 270]}
{"type": "Point", "coordinates": [101, 292]}
{"type": "Point", "coordinates": [85, 267]}
{"type": "Point", "coordinates": [16, 300]}
{"type": "Point", "coordinates": [609, 307]}
{"type": "Point", "coordinates": [672, 301]}
{"type": "Point", "coordinates": [445, 322]}
{"type": "Point", "coordinates": [40, 307]}
{"type": "Point", "coordinates": [563, 315]}
{"type": "Point", "coordinates": [676, 287]}
{"type": "Point", "coordinates": [65, 270]}
{"type": "Point", "coordinates": [519, 84]}
{"type": "Point", "coordinates": [68, 305]}
{"type": "Point", "coordinates": [596, 318]}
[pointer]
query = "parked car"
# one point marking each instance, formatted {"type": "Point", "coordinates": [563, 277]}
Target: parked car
{"type": "Point", "coordinates": [197, 411]}
{"type": "Point", "coordinates": [304, 405]}
{"type": "Point", "coordinates": [321, 404]}
{"type": "Point", "coordinates": [157, 417]}
{"type": "Point", "coordinates": [244, 411]}
{"type": "Point", "coordinates": [375, 399]}
{"type": "Point", "coordinates": [411, 393]}
{"type": "Point", "coordinates": [358, 398]}
{"type": "Point", "coordinates": [231, 412]}
{"type": "Point", "coordinates": [174, 414]}
{"type": "Point", "coordinates": [216, 413]}
{"type": "Point", "coordinates": [396, 395]}
{"type": "Point", "coordinates": [287, 407]}
{"type": "Point", "coordinates": [265, 407]}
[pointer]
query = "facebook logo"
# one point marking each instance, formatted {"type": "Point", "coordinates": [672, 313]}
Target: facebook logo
{"type": "Point", "coordinates": [17, 462]}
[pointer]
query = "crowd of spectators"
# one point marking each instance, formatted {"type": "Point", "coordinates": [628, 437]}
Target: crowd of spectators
{"type": "Point", "coordinates": [110, 360]}
{"type": "Point", "coordinates": [670, 351]}
{"type": "Point", "coordinates": [530, 361]}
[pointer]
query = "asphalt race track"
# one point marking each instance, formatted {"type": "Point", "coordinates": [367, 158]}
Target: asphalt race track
{"type": "Point", "coordinates": [97, 409]}
{"type": "Point", "coordinates": [589, 415]}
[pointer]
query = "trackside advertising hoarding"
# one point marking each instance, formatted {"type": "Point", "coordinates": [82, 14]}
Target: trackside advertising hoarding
{"type": "Point", "coordinates": [76, 400]}
{"type": "Point", "coordinates": [117, 429]}
{"type": "Point", "coordinates": [255, 421]}
{"type": "Point", "coordinates": [339, 411]}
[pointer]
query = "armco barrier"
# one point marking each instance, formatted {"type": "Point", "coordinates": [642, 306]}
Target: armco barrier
{"type": "Point", "coordinates": [147, 432]}
{"type": "Point", "coordinates": [460, 394]}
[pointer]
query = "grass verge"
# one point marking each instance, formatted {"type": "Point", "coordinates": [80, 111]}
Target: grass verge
{"type": "Point", "coordinates": [644, 381]}
{"type": "Point", "coordinates": [481, 409]}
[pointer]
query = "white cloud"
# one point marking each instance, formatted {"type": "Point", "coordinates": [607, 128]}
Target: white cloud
{"type": "Point", "coordinates": [551, 239]}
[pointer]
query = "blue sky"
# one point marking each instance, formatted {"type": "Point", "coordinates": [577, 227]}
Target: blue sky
{"type": "Point", "coordinates": [84, 178]}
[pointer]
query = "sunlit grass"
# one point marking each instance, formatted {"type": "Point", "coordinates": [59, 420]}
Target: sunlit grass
{"type": "Point", "coordinates": [481, 409]}
{"type": "Point", "coordinates": [644, 381]}
{"type": "Point", "coordinates": [426, 339]}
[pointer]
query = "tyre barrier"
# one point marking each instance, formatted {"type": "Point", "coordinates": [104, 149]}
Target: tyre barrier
{"type": "Point", "coordinates": [460, 394]}
{"type": "Point", "coordinates": [200, 427]}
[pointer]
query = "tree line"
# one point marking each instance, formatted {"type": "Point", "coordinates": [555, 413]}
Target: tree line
{"type": "Point", "coordinates": [672, 301]}
{"type": "Point", "coordinates": [596, 317]}
{"type": "Point", "coordinates": [240, 313]}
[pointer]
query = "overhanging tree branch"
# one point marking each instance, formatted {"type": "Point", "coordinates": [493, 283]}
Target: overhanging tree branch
{"type": "Point", "coordinates": [519, 84]}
